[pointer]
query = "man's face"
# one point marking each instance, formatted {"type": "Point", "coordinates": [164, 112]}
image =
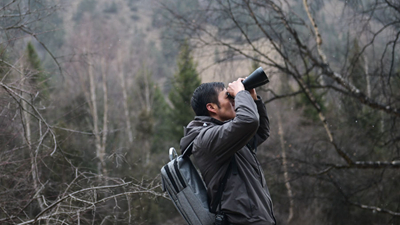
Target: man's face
{"type": "Point", "coordinates": [226, 109]}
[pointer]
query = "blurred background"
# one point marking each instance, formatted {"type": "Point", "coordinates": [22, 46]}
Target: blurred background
{"type": "Point", "coordinates": [94, 92]}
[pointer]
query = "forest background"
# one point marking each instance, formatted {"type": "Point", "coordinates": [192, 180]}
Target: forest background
{"type": "Point", "coordinates": [94, 92]}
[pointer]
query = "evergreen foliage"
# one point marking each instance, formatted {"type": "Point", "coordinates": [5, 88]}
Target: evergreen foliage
{"type": "Point", "coordinates": [33, 58]}
{"type": "Point", "coordinates": [162, 136]}
{"type": "Point", "coordinates": [185, 81]}
{"type": "Point", "coordinates": [355, 112]}
{"type": "Point", "coordinates": [325, 187]}
{"type": "Point", "coordinates": [309, 113]}
{"type": "Point", "coordinates": [356, 62]}
{"type": "Point", "coordinates": [38, 77]}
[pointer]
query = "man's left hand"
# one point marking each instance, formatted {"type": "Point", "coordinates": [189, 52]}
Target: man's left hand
{"type": "Point", "coordinates": [253, 94]}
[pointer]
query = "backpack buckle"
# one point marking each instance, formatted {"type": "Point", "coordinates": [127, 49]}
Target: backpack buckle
{"type": "Point", "coordinates": [172, 153]}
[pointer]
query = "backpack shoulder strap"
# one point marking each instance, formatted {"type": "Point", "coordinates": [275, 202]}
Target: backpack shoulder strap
{"type": "Point", "coordinates": [188, 150]}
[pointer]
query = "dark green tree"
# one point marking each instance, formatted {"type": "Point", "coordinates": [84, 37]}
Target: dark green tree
{"type": "Point", "coordinates": [38, 78]}
{"type": "Point", "coordinates": [356, 112]}
{"type": "Point", "coordinates": [33, 58]}
{"type": "Point", "coordinates": [357, 67]}
{"type": "Point", "coordinates": [161, 135]}
{"type": "Point", "coordinates": [185, 81]}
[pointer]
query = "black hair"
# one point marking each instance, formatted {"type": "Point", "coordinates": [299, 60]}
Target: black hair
{"type": "Point", "coordinates": [204, 94]}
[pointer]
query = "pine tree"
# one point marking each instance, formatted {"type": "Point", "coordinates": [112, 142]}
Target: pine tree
{"type": "Point", "coordinates": [352, 109]}
{"type": "Point", "coordinates": [39, 80]}
{"type": "Point", "coordinates": [185, 81]}
{"type": "Point", "coordinates": [357, 65]}
{"type": "Point", "coordinates": [161, 135]}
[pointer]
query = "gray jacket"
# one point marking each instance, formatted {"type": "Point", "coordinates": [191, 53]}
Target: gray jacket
{"type": "Point", "coordinates": [246, 199]}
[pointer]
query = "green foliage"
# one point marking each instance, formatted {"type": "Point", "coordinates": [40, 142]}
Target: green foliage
{"type": "Point", "coordinates": [33, 58]}
{"type": "Point", "coordinates": [39, 78]}
{"type": "Point", "coordinates": [354, 112]}
{"type": "Point", "coordinates": [364, 133]}
{"type": "Point", "coordinates": [145, 92]}
{"type": "Point", "coordinates": [309, 111]}
{"type": "Point", "coordinates": [161, 137]}
{"type": "Point", "coordinates": [153, 124]}
{"type": "Point", "coordinates": [357, 74]}
{"type": "Point", "coordinates": [185, 81]}
{"type": "Point", "coordinates": [75, 147]}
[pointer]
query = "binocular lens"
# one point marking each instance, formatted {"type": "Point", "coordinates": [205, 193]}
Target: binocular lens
{"type": "Point", "coordinates": [255, 79]}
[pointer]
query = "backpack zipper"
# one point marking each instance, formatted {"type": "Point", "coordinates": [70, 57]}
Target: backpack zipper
{"type": "Point", "coordinates": [180, 178]}
{"type": "Point", "coordinates": [171, 178]}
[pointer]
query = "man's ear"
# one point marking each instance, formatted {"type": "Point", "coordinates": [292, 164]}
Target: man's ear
{"type": "Point", "coordinates": [211, 107]}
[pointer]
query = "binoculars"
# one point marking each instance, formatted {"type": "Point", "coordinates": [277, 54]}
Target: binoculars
{"type": "Point", "coordinates": [255, 79]}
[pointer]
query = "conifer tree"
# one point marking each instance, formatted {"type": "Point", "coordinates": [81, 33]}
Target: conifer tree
{"type": "Point", "coordinates": [152, 126]}
{"type": "Point", "coordinates": [185, 81]}
{"type": "Point", "coordinates": [354, 110]}
{"type": "Point", "coordinates": [161, 136]}
{"type": "Point", "coordinates": [357, 67]}
{"type": "Point", "coordinates": [38, 79]}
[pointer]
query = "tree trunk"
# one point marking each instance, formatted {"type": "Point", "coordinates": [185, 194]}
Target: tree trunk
{"type": "Point", "coordinates": [367, 77]}
{"type": "Point", "coordinates": [105, 117]}
{"type": "Point", "coordinates": [125, 99]}
{"type": "Point", "coordinates": [285, 173]}
{"type": "Point", "coordinates": [147, 148]}
{"type": "Point", "coordinates": [28, 141]}
{"type": "Point", "coordinates": [93, 109]}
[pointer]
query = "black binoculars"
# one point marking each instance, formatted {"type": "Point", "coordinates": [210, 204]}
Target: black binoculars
{"type": "Point", "coordinates": [255, 79]}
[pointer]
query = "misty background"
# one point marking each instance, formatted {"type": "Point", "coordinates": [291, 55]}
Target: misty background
{"type": "Point", "coordinates": [94, 93]}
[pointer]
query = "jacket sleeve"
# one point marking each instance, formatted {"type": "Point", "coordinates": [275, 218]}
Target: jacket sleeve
{"type": "Point", "coordinates": [263, 130]}
{"type": "Point", "coordinates": [222, 141]}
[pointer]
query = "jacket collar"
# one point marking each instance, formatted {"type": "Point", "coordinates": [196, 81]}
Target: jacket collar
{"type": "Point", "coordinates": [194, 127]}
{"type": "Point", "coordinates": [208, 119]}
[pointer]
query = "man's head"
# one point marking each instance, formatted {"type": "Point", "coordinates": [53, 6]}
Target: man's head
{"type": "Point", "coordinates": [211, 99]}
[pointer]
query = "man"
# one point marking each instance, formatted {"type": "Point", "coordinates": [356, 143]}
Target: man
{"type": "Point", "coordinates": [231, 123]}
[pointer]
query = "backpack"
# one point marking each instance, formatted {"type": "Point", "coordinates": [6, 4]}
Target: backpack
{"type": "Point", "coordinates": [184, 185]}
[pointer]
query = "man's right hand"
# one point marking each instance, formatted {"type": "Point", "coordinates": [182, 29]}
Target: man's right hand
{"type": "Point", "coordinates": [235, 87]}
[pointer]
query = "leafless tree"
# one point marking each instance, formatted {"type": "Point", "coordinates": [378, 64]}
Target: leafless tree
{"type": "Point", "coordinates": [39, 183]}
{"type": "Point", "coordinates": [294, 39]}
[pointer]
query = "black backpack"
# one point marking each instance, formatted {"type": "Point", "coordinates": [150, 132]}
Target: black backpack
{"type": "Point", "coordinates": [181, 180]}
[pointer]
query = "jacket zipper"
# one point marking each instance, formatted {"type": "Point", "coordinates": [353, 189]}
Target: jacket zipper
{"type": "Point", "coordinates": [272, 206]}
{"type": "Point", "coordinates": [262, 183]}
{"type": "Point", "coordinates": [258, 167]}
{"type": "Point", "coordinates": [171, 178]}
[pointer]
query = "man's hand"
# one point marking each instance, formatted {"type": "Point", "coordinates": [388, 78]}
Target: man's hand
{"type": "Point", "coordinates": [253, 94]}
{"type": "Point", "coordinates": [235, 87]}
